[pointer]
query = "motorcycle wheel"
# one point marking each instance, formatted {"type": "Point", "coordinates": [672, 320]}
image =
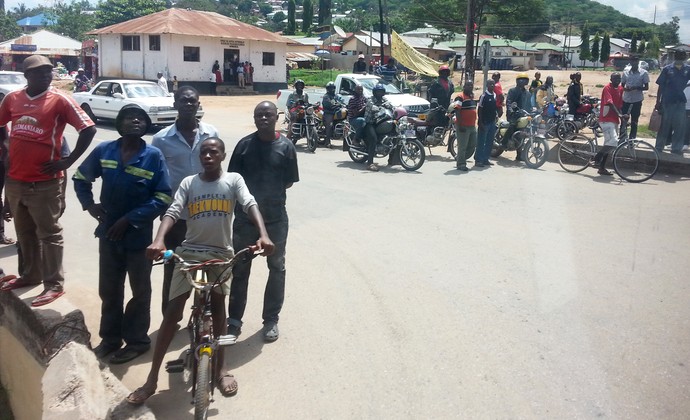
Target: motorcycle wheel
{"type": "Point", "coordinates": [497, 148]}
{"type": "Point", "coordinates": [320, 133]}
{"type": "Point", "coordinates": [412, 155]}
{"type": "Point", "coordinates": [566, 130]}
{"type": "Point", "coordinates": [312, 135]}
{"type": "Point", "coordinates": [453, 144]}
{"type": "Point", "coordinates": [356, 156]}
{"type": "Point", "coordinates": [535, 152]}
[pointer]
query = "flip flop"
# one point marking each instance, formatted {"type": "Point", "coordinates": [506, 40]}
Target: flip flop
{"type": "Point", "coordinates": [227, 389]}
{"type": "Point", "coordinates": [6, 278]}
{"type": "Point", "coordinates": [139, 396]}
{"type": "Point", "coordinates": [47, 297]}
{"type": "Point", "coordinates": [6, 241]}
{"type": "Point", "coordinates": [16, 283]}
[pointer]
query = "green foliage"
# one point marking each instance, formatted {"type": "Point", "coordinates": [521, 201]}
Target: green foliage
{"type": "Point", "coordinates": [70, 19]}
{"type": "Point", "coordinates": [585, 53]}
{"type": "Point", "coordinates": [653, 47]}
{"type": "Point", "coordinates": [111, 12]}
{"type": "Point", "coordinates": [8, 27]}
{"type": "Point", "coordinates": [324, 12]}
{"type": "Point", "coordinates": [595, 48]}
{"type": "Point", "coordinates": [317, 78]}
{"type": "Point", "coordinates": [633, 43]}
{"type": "Point", "coordinates": [605, 49]}
{"type": "Point", "coordinates": [265, 8]}
{"type": "Point", "coordinates": [307, 16]}
{"type": "Point", "coordinates": [201, 5]}
{"type": "Point", "coordinates": [668, 32]}
{"type": "Point", "coordinates": [641, 48]}
{"type": "Point", "coordinates": [291, 25]}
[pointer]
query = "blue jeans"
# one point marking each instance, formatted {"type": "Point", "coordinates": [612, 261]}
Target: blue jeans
{"type": "Point", "coordinates": [358, 124]}
{"type": "Point", "coordinates": [672, 128]}
{"type": "Point", "coordinates": [245, 233]}
{"type": "Point", "coordinates": [132, 324]}
{"type": "Point", "coordinates": [485, 141]}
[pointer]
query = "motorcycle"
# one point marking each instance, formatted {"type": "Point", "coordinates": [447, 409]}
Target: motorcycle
{"type": "Point", "coordinates": [80, 86]}
{"type": "Point", "coordinates": [585, 116]}
{"type": "Point", "coordinates": [339, 120]}
{"type": "Point", "coordinates": [555, 122]}
{"type": "Point", "coordinates": [304, 125]}
{"type": "Point", "coordinates": [432, 130]}
{"type": "Point", "coordinates": [391, 141]}
{"type": "Point", "coordinates": [525, 139]}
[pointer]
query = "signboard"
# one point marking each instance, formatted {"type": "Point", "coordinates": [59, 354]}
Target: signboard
{"type": "Point", "coordinates": [232, 42]}
{"type": "Point", "coordinates": [23, 47]}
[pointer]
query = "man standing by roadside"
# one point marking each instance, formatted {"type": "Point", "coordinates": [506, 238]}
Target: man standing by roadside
{"type": "Point", "coordinates": [268, 163]}
{"type": "Point", "coordinates": [162, 82]}
{"type": "Point", "coordinates": [498, 91]}
{"type": "Point", "coordinates": [135, 190]}
{"type": "Point", "coordinates": [609, 119]}
{"type": "Point", "coordinates": [240, 74]}
{"type": "Point", "coordinates": [442, 89]}
{"type": "Point", "coordinates": [487, 112]}
{"type": "Point", "coordinates": [634, 81]}
{"type": "Point", "coordinates": [34, 182]}
{"type": "Point", "coordinates": [180, 145]}
{"type": "Point", "coordinates": [670, 102]}
{"type": "Point", "coordinates": [466, 125]}
{"type": "Point", "coordinates": [534, 87]}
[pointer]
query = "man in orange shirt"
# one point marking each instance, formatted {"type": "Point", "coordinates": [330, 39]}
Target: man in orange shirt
{"type": "Point", "coordinates": [38, 115]}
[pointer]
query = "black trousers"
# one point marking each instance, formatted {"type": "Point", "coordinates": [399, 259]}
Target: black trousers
{"type": "Point", "coordinates": [633, 108]}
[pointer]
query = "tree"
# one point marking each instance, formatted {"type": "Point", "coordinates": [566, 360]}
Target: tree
{"type": "Point", "coordinates": [641, 47]}
{"type": "Point", "coordinates": [70, 19]}
{"type": "Point", "coordinates": [595, 49]}
{"type": "Point", "coordinates": [324, 12]}
{"type": "Point", "coordinates": [291, 25]}
{"type": "Point", "coordinates": [307, 16]}
{"type": "Point", "coordinates": [605, 49]}
{"type": "Point", "coordinates": [653, 47]}
{"type": "Point", "coordinates": [111, 12]}
{"type": "Point", "coordinates": [633, 43]}
{"type": "Point", "coordinates": [585, 53]}
{"type": "Point", "coordinates": [8, 27]}
{"type": "Point", "coordinates": [265, 8]}
{"type": "Point", "coordinates": [668, 32]}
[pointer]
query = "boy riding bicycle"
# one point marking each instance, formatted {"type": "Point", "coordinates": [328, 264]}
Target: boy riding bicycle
{"type": "Point", "coordinates": [209, 199]}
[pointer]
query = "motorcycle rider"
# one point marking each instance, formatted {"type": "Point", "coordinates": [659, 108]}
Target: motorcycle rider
{"type": "Point", "coordinates": [442, 89]}
{"type": "Point", "coordinates": [81, 81]}
{"type": "Point", "coordinates": [296, 98]}
{"type": "Point", "coordinates": [374, 103]}
{"type": "Point", "coordinates": [521, 97]}
{"type": "Point", "coordinates": [332, 103]}
{"type": "Point", "coordinates": [355, 114]}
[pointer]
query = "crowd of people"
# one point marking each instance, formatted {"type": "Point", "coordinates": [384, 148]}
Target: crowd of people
{"type": "Point", "coordinates": [173, 178]}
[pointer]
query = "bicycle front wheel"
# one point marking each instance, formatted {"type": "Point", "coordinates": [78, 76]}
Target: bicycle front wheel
{"type": "Point", "coordinates": [574, 154]}
{"type": "Point", "coordinates": [635, 160]}
{"type": "Point", "coordinates": [202, 390]}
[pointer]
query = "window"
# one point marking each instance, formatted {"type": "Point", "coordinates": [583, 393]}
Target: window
{"type": "Point", "coordinates": [102, 90]}
{"type": "Point", "coordinates": [539, 57]}
{"type": "Point", "coordinates": [154, 42]}
{"type": "Point", "coordinates": [191, 54]}
{"type": "Point", "coordinates": [130, 43]}
{"type": "Point", "coordinates": [269, 59]}
{"type": "Point", "coordinates": [514, 54]}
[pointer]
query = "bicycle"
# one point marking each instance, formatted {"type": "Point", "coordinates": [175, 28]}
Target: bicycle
{"type": "Point", "coordinates": [633, 160]}
{"type": "Point", "coordinates": [199, 357]}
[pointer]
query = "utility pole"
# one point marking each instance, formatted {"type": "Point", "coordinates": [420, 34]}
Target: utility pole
{"type": "Point", "coordinates": [381, 32]}
{"type": "Point", "coordinates": [469, 44]}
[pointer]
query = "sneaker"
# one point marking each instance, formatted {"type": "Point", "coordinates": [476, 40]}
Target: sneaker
{"type": "Point", "coordinates": [271, 332]}
{"type": "Point", "coordinates": [373, 167]}
{"type": "Point", "coordinates": [234, 330]}
{"type": "Point", "coordinates": [479, 164]}
{"type": "Point", "coordinates": [105, 349]}
{"type": "Point", "coordinates": [603, 171]}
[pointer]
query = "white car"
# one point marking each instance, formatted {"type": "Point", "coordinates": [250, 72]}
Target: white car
{"type": "Point", "coordinates": [11, 81]}
{"type": "Point", "coordinates": [107, 97]}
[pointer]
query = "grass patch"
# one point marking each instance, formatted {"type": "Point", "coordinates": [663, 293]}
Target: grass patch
{"type": "Point", "coordinates": [317, 78]}
{"type": "Point", "coordinates": [643, 131]}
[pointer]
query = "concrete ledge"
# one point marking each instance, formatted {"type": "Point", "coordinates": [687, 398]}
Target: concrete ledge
{"type": "Point", "coordinates": [47, 367]}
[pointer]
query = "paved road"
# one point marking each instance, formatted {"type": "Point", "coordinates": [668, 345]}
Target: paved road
{"type": "Point", "coordinates": [499, 293]}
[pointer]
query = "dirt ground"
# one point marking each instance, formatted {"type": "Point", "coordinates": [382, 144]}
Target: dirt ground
{"type": "Point", "coordinates": [593, 82]}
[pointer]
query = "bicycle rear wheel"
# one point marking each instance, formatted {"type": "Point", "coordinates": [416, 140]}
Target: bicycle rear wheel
{"type": "Point", "coordinates": [575, 153]}
{"type": "Point", "coordinates": [202, 391]}
{"type": "Point", "coordinates": [635, 160]}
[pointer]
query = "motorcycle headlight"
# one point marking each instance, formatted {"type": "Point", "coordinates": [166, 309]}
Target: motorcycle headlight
{"type": "Point", "coordinates": [310, 111]}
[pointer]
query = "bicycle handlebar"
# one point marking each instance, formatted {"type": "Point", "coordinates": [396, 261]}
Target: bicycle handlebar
{"type": "Point", "coordinates": [243, 255]}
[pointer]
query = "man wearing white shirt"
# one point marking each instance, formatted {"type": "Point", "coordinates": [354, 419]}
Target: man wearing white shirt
{"type": "Point", "coordinates": [163, 83]}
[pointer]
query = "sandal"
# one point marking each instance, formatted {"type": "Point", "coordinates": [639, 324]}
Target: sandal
{"type": "Point", "coordinates": [5, 278]}
{"type": "Point", "coordinates": [4, 240]}
{"type": "Point", "coordinates": [139, 396]}
{"type": "Point", "coordinates": [47, 297]}
{"type": "Point", "coordinates": [16, 283]}
{"type": "Point", "coordinates": [225, 388]}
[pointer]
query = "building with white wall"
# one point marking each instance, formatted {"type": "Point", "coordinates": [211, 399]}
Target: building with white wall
{"type": "Point", "coordinates": [186, 43]}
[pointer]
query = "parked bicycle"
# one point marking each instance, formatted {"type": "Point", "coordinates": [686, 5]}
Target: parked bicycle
{"type": "Point", "coordinates": [633, 160]}
{"type": "Point", "coordinates": [199, 358]}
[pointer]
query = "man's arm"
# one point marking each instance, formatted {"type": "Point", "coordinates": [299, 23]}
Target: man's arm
{"type": "Point", "coordinates": [264, 242]}
{"type": "Point", "coordinates": [154, 251]}
{"type": "Point", "coordinates": [83, 142]}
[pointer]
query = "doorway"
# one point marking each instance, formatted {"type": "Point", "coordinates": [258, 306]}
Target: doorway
{"type": "Point", "coordinates": [231, 58]}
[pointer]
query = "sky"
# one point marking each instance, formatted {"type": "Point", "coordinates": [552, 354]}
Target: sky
{"type": "Point", "coordinates": [641, 9]}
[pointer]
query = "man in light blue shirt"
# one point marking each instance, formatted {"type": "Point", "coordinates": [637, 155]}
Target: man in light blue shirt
{"type": "Point", "coordinates": [180, 144]}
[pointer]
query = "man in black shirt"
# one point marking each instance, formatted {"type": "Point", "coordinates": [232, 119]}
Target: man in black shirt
{"type": "Point", "coordinates": [360, 65]}
{"type": "Point", "coordinates": [487, 112]}
{"type": "Point", "coordinates": [268, 163]}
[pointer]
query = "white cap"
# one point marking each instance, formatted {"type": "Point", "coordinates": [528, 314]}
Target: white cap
{"type": "Point", "coordinates": [361, 56]}
{"type": "Point", "coordinates": [80, 69]}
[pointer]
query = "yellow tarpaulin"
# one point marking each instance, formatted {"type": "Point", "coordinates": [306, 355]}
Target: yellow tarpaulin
{"type": "Point", "coordinates": [406, 55]}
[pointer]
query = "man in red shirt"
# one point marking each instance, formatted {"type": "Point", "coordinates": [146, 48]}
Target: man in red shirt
{"type": "Point", "coordinates": [609, 119]}
{"type": "Point", "coordinates": [38, 114]}
{"type": "Point", "coordinates": [498, 91]}
{"type": "Point", "coordinates": [465, 125]}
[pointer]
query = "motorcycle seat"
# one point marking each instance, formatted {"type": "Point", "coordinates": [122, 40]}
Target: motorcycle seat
{"type": "Point", "coordinates": [417, 122]}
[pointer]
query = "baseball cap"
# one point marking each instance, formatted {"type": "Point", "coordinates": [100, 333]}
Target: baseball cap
{"type": "Point", "coordinates": [361, 56]}
{"type": "Point", "coordinates": [36, 61]}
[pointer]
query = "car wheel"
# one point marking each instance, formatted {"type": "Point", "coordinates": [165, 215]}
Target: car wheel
{"type": "Point", "coordinates": [88, 111]}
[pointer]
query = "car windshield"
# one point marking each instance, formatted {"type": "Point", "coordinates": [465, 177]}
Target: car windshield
{"type": "Point", "coordinates": [144, 90]}
{"type": "Point", "coordinates": [12, 79]}
{"type": "Point", "coordinates": [369, 84]}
